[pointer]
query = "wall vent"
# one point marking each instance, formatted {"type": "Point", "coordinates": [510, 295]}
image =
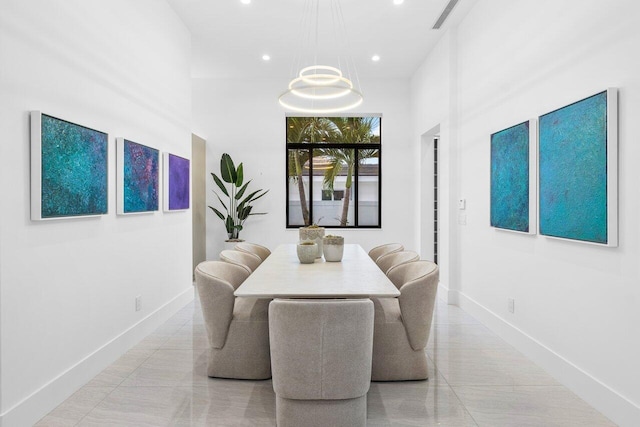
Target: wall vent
{"type": "Point", "coordinates": [445, 14]}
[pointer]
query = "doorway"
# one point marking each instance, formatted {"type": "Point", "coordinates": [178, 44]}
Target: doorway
{"type": "Point", "coordinates": [199, 203]}
{"type": "Point", "coordinates": [430, 236]}
{"type": "Point", "coordinates": [436, 224]}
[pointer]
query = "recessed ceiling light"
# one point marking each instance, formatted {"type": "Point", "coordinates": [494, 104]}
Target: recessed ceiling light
{"type": "Point", "coordinates": [375, 58]}
{"type": "Point", "coordinates": [249, 1]}
{"type": "Point", "coordinates": [266, 57]}
{"type": "Point", "coordinates": [396, 2]}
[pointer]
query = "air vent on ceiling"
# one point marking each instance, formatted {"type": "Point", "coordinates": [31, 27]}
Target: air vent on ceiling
{"type": "Point", "coordinates": [445, 14]}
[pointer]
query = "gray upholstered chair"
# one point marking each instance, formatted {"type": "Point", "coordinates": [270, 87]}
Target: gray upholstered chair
{"type": "Point", "coordinates": [254, 249]}
{"type": "Point", "coordinates": [321, 359]}
{"type": "Point", "coordinates": [237, 328]}
{"type": "Point", "coordinates": [378, 251]}
{"type": "Point", "coordinates": [243, 259]}
{"type": "Point", "coordinates": [402, 325]}
{"type": "Point", "coordinates": [387, 261]}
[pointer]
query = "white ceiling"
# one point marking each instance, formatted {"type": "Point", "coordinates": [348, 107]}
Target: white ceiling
{"type": "Point", "coordinates": [229, 38]}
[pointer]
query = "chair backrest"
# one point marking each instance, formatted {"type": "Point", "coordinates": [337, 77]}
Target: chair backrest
{"type": "Point", "coordinates": [378, 251]}
{"type": "Point", "coordinates": [243, 259]}
{"type": "Point", "coordinates": [254, 249]}
{"type": "Point", "coordinates": [388, 261]}
{"type": "Point", "coordinates": [215, 282]}
{"type": "Point", "coordinates": [321, 349]}
{"type": "Point", "coordinates": [418, 284]}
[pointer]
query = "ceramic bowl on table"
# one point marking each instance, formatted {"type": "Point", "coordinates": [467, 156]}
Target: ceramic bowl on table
{"type": "Point", "coordinates": [307, 251]}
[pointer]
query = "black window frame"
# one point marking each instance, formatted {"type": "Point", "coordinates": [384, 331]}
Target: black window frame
{"type": "Point", "coordinates": [311, 146]}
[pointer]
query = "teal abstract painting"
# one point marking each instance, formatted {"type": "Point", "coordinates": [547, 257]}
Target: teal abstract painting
{"type": "Point", "coordinates": [510, 178]}
{"type": "Point", "coordinates": [573, 171]}
{"type": "Point", "coordinates": [140, 172]}
{"type": "Point", "coordinates": [73, 169]}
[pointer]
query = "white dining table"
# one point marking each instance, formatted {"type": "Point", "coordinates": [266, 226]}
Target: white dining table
{"type": "Point", "coordinates": [282, 275]}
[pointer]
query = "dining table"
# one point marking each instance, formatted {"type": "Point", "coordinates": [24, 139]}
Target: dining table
{"type": "Point", "coordinates": [282, 275]}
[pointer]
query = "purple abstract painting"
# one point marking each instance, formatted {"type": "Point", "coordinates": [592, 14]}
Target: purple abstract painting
{"type": "Point", "coordinates": [178, 183]}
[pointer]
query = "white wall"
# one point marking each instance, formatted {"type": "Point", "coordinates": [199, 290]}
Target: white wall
{"type": "Point", "coordinates": [577, 306]}
{"type": "Point", "coordinates": [68, 287]}
{"type": "Point", "coordinates": [433, 113]}
{"type": "Point", "coordinates": [244, 119]}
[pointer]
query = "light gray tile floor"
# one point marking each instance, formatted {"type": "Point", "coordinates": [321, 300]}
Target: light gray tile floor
{"type": "Point", "coordinates": [476, 379]}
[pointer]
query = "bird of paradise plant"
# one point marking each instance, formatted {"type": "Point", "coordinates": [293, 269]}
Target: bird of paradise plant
{"type": "Point", "coordinates": [237, 209]}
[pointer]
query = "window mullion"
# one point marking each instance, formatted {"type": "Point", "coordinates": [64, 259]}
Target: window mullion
{"type": "Point", "coordinates": [310, 197]}
{"type": "Point", "coordinates": [355, 187]}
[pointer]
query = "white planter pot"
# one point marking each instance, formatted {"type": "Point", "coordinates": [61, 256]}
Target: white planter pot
{"type": "Point", "coordinates": [314, 233]}
{"type": "Point", "coordinates": [231, 244]}
{"type": "Point", "coordinates": [307, 253]}
{"type": "Point", "coordinates": [333, 248]}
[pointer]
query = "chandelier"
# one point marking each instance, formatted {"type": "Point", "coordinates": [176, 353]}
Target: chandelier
{"type": "Point", "coordinates": [323, 89]}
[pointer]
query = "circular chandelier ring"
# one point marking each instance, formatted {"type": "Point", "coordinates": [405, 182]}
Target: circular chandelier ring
{"type": "Point", "coordinates": [321, 80]}
{"type": "Point", "coordinates": [311, 78]}
{"type": "Point", "coordinates": [321, 110]}
{"type": "Point", "coordinates": [320, 67]}
{"type": "Point", "coordinates": [299, 91]}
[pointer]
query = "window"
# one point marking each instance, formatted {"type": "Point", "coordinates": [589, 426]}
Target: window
{"type": "Point", "coordinates": [333, 171]}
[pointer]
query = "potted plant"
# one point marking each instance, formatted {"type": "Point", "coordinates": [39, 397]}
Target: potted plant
{"type": "Point", "coordinates": [307, 251]}
{"type": "Point", "coordinates": [237, 209]}
{"type": "Point", "coordinates": [315, 233]}
{"type": "Point", "coordinates": [333, 248]}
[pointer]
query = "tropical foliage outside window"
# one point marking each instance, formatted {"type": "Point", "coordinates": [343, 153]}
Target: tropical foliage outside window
{"type": "Point", "coordinates": [333, 171]}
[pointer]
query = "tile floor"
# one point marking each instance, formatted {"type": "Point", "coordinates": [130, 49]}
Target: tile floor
{"type": "Point", "coordinates": [476, 380]}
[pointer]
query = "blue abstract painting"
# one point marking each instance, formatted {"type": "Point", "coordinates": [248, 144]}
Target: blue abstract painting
{"type": "Point", "coordinates": [74, 175]}
{"type": "Point", "coordinates": [140, 186]}
{"type": "Point", "coordinates": [573, 171]}
{"type": "Point", "coordinates": [510, 178]}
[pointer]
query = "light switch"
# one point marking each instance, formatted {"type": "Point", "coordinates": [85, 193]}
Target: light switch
{"type": "Point", "coordinates": [462, 204]}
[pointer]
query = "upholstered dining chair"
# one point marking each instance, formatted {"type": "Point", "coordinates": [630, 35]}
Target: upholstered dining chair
{"type": "Point", "coordinates": [387, 261]}
{"type": "Point", "coordinates": [321, 359]}
{"type": "Point", "coordinates": [388, 248]}
{"type": "Point", "coordinates": [253, 248]}
{"type": "Point", "coordinates": [243, 259]}
{"type": "Point", "coordinates": [237, 328]}
{"type": "Point", "coordinates": [402, 325]}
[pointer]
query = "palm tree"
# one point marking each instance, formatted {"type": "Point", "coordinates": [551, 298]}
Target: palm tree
{"type": "Point", "coordinates": [352, 130]}
{"type": "Point", "coordinates": [305, 129]}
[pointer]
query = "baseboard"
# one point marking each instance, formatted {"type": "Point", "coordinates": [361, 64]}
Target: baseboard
{"type": "Point", "coordinates": [42, 401]}
{"type": "Point", "coordinates": [610, 403]}
{"type": "Point", "coordinates": [447, 295]}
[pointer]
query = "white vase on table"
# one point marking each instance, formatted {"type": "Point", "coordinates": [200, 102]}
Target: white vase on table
{"type": "Point", "coordinates": [333, 248]}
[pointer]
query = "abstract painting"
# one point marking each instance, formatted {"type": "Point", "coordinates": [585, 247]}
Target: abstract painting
{"type": "Point", "coordinates": [578, 170]}
{"type": "Point", "coordinates": [176, 182]}
{"type": "Point", "coordinates": [138, 180]}
{"type": "Point", "coordinates": [69, 169]}
{"type": "Point", "coordinates": [511, 170]}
